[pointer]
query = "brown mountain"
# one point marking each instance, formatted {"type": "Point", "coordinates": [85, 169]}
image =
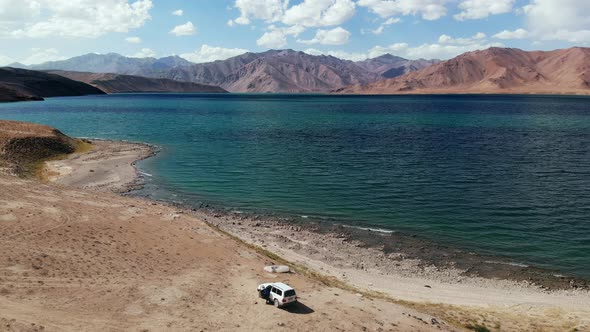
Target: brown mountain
{"type": "Point", "coordinates": [117, 83]}
{"type": "Point", "coordinates": [270, 71]}
{"type": "Point", "coordinates": [22, 84]}
{"type": "Point", "coordinates": [495, 70]}
{"type": "Point", "coordinates": [292, 71]}
{"type": "Point", "coordinates": [389, 66]}
{"type": "Point", "coordinates": [276, 71]}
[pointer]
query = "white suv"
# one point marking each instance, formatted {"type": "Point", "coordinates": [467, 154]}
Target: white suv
{"type": "Point", "coordinates": [278, 293]}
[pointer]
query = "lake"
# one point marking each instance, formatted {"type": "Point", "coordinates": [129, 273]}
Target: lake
{"type": "Point", "coordinates": [499, 175]}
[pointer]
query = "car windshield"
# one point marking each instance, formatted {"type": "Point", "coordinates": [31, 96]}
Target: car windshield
{"type": "Point", "coordinates": [289, 293]}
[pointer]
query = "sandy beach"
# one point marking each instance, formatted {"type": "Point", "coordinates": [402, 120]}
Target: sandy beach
{"type": "Point", "coordinates": [107, 167]}
{"type": "Point", "coordinates": [75, 257]}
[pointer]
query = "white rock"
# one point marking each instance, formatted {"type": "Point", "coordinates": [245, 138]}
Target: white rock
{"type": "Point", "coordinates": [277, 269]}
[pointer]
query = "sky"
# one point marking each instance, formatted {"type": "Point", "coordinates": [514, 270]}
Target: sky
{"type": "Point", "coordinates": [35, 31]}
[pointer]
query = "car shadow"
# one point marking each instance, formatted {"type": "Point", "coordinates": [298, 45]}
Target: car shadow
{"type": "Point", "coordinates": [298, 308]}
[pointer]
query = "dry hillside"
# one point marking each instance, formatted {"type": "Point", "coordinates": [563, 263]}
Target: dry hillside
{"type": "Point", "coordinates": [24, 143]}
{"type": "Point", "coordinates": [117, 83]}
{"type": "Point", "coordinates": [22, 84]}
{"type": "Point", "coordinates": [495, 70]}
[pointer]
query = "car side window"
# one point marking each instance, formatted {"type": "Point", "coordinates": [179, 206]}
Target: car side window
{"type": "Point", "coordinates": [279, 292]}
{"type": "Point", "coordinates": [274, 290]}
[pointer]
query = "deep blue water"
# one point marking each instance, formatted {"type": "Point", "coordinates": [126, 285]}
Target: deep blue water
{"type": "Point", "coordinates": [505, 175]}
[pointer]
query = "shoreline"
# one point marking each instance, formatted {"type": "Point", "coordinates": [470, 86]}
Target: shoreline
{"type": "Point", "coordinates": [409, 256]}
{"type": "Point", "coordinates": [336, 260]}
{"type": "Point", "coordinates": [109, 166]}
{"type": "Point", "coordinates": [332, 252]}
{"type": "Point", "coordinates": [389, 247]}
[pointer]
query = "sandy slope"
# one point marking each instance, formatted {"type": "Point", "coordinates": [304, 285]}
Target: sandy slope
{"type": "Point", "coordinates": [80, 260]}
{"type": "Point", "coordinates": [108, 167]}
{"type": "Point", "coordinates": [515, 306]}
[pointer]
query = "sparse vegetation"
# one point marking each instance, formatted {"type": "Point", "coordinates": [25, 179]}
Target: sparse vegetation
{"type": "Point", "coordinates": [25, 147]}
{"type": "Point", "coordinates": [478, 328]}
{"type": "Point", "coordinates": [37, 169]}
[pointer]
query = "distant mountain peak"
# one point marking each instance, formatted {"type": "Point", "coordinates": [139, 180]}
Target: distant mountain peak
{"type": "Point", "coordinates": [17, 65]}
{"type": "Point", "coordinates": [389, 56]}
{"type": "Point", "coordinates": [281, 70]}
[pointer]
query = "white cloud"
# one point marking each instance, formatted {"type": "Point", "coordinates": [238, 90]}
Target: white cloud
{"type": "Point", "coordinates": [178, 12]}
{"type": "Point", "coordinates": [516, 34]}
{"type": "Point", "coordinates": [336, 36]}
{"type": "Point", "coordinates": [13, 11]}
{"type": "Point", "coordinates": [272, 39]}
{"type": "Point", "coordinates": [479, 35]}
{"type": "Point", "coordinates": [276, 37]}
{"type": "Point", "coordinates": [144, 53]}
{"type": "Point", "coordinates": [319, 13]}
{"type": "Point", "coordinates": [39, 55]}
{"type": "Point", "coordinates": [211, 53]}
{"type": "Point", "coordinates": [476, 9]}
{"type": "Point", "coordinates": [68, 18]}
{"type": "Point", "coordinates": [308, 13]}
{"type": "Point", "coordinates": [429, 51]}
{"type": "Point", "coordinates": [186, 29]}
{"type": "Point", "coordinates": [133, 40]}
{"type": "Point", "coordinates": [338, 54]}
{"type": "Point", "coordinates": [381, 28]}
{"type": "Point", "coordinates": [4, 60]}
{"type": "Point", "coordinates": [559, 19]}
{"type": "Point", "coordinates": [446, 39]}
{"type": "Point", "coordinates": [427, 9]}
{"type": "Point", "coordinates": [447, 47]}
{"type": "Point", "coordinates": [267, 10]}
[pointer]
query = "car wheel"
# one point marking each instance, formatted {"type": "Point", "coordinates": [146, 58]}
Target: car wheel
{"type": "Point", "coordinates": [276, 303]}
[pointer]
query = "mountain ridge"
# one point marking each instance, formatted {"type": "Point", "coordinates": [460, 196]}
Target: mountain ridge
{"type": "Point", "coordinates": [494, 70]}
{"type": "Point", "coordinates": [22, 85]}
{"type": "Point", "coordinates": [119, 83]}
{"type": "Point", "coordinates": [269, 71]}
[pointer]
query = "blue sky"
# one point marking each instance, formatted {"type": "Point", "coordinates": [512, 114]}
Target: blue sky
{"type": "Point", "coordinates": [34, 31]}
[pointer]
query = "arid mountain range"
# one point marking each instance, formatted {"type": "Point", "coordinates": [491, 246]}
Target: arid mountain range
{"type": "Point", "coordinates": [118, 83]}
{"type": "Point", "coordinates": [495, 70]}
{"type": "Point", "coordinates": [21, 84]}
{"type": "Point", "coordinates": [271, 71]}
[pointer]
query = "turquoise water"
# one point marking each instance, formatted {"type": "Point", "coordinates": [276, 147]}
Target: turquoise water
{"type": "Point", "coordinates": [502, 175]}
